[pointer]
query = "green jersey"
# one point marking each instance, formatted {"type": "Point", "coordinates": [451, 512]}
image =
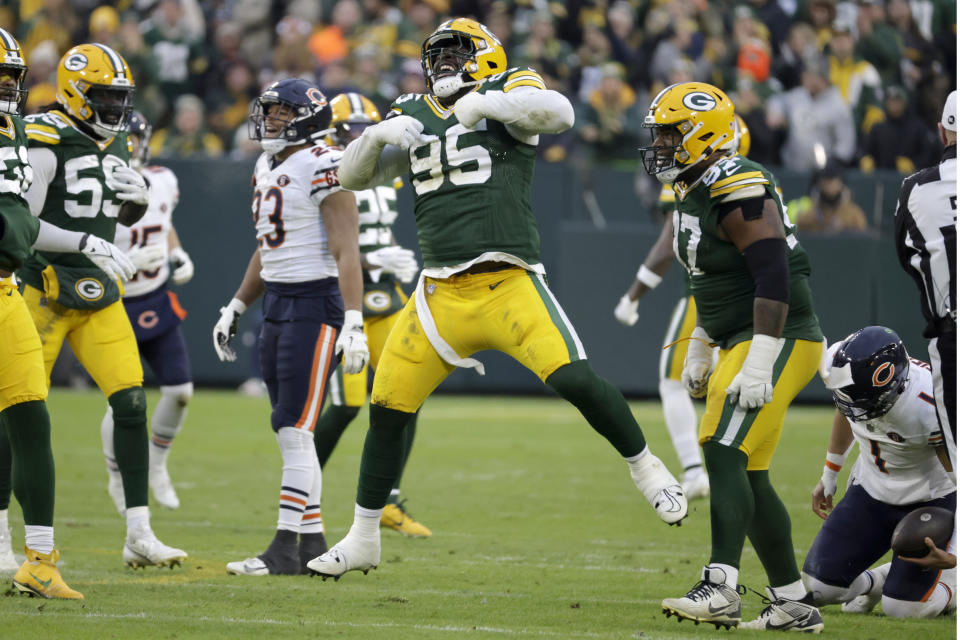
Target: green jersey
{"type": "Point", "coordinates": [378, 211]}
{"type": "Point", "coordinates": [471, 186]}
{"type": "Point", "coordinates": [19, 229]}
{"type": "Point", "coordinates": [720, 279]}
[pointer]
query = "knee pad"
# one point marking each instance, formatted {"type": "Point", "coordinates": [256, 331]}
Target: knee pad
{"type": "Point", "coordinates": [181, 393]}
{"type": "Point", "coordinates": [824, 593]}
{"type": "Point", "coordinates": [914, 609]}
{"type": "Point", "coordinates": [296, 440]}
{"type": "Point", "coordinates": [129, 407]}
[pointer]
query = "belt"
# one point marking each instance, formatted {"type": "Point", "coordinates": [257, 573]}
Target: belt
{"type": "Point", "coordinates": [487, 267]}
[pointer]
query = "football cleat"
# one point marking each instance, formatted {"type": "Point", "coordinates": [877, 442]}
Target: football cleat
{"type": "Point", "coordinates": [395, 517]}
{"type": "Point", "coordinates": [350, 554]}
{"type": "Point", "coordinates": [115, 489]}
{"type": "Point", "coordinates": [162, 487]}
{"type": "Point", "coordinates": [8, 562]}
{"type": "Point", "coordinates": [660, 488]}
{"type": "Point", "coordinates": [696, 484]}
{"type": "Point", "coordinates": [248, 567]}
{"type": "Point", "coordinates": [864, 603]}
{"type": "Point", "coordinates": [710, 600]}
{"type": "Point", "coordinates": [311, 545]}
{"type": "Point", "coordinates": [782, 614]}
{"type": "Point", "coordinates": [38, 576]}
{"type": "Point", "coordinates": [143, 549]}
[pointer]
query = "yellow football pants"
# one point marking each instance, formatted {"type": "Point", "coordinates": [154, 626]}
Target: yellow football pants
{"type": "Point", "coordinates": [675, 343]}
{"type": "Point", "coordinates": [22, 377]}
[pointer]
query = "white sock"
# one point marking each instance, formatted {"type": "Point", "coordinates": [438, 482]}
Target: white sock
{"type": "Point", "coordinates": [296, 482]}
{"type": "Point", "coordinates": [138, 518]}
{"type": "Point", "coordinates": [4, 524]}
{"type": "Point", "coordinates": [312, 520]}
{"type": "Point", "coordinates": [632, 461]}
{"type": "Point", "coordinates": [792, 591]}
{"type": "Point", "coordinates": [366, 522]}
{"type": "Point", "coordinates": [167, 420]}
{"type": "Point", "coordinates": [730, 574]}
{"type": "Point", "coordinates": [681, 419]}
{"type": "Point", "coordinates": [106, 439]}
{"type": "Point", "coordinates": [40, 539]}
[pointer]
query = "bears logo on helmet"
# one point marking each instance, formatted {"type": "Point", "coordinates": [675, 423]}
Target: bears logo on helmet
{"type": "Point", "coordinates": [289, 112]}
{"type": "Point", "coordinates": [868, 372]}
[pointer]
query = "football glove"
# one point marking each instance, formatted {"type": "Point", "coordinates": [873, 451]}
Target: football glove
{"type": "Point", "coordinates": [129, 185]}
{"type": "Point", "coordinates": [352, 342]}
{"type": "Point", "coordinates": [226, 328]}
{"type": "Point", "coordinates": [396, 260]}
{"type": "Point", "coordinates": [698, 363]}
{"type": "Point", "coordinates": [470, 109]}
{"type": "Point", "coordinates": [107, 256]}
{"type": "Point", "coordinates": [147, 258]}
{"type": "Point", "coordinates": [752, 387]}
{"type": "Point", "coordinates": [400, 131]}
{"type": "Point", "coordinates": [626, 311]}
{"type": "Point", "coordinates": [182, 266]}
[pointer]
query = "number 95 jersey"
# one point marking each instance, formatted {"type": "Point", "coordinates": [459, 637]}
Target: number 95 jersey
{"type": "Point", "coordinates": [152, 229]}
{"type": "Point", "coordinates": [286, 202]}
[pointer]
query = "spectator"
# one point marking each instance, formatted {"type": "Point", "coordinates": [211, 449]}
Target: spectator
{"type": "Point", "coordinates": [104, 25]}
{"type": "Point", "coordinates": [922, 73]}
{"type": "Point", "coordinates": [54, 20]}
{"type": "Point", "coordinates": [420, 19]}
{"type": "Point", "coordinates": [771, 14]}
{"type": "Point", "coordinates": [822, 15]}
{"type": "Point", "coordinates": [902, 141]}
{"type": "Point", "coordinates": [186, 136]}
{"type": "Point", "coordinates": [43, 62]}
{"type": "Point", "coordinates": [368, 78]}
{"type": "Point", "coordinates": [817, 122]}
{"type": "Point", "coordinates": [857, 80]}
{"type": "Point", "coordinates": [230, 105]}
{"type": "Point", "coordinates": [411, 78]}
{"type": "Point", "coordinates": [335, 79]}
{"type": "Point", "coordinates": [544, 51]}
{"type": "Point", "coordinates": [877, 41]}
{"type": "Point", "coordinates": [179, 60]}
{"type": "Point", "coordinates": [829, 207]}
{"type": "Point", "coordinates": [332, 43]}
{"type": "Point", "coordinates": [801, 44]}
{"type": "Point", "coordinates": [609, 123]}
{"type": "Point", "coordinates": [764, 141]}
{"type": "Point", "coordinates": [593, 53]}
{"type": "Point", "coordinates": [293, 56]}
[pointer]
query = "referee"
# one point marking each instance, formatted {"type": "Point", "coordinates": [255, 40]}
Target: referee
{"type": "Point", "coordinates": [926, 238]}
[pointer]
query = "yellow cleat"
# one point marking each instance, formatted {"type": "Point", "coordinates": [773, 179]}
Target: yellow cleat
{"type": "Point", "coordinates": [394, 517]}
{"type": "Point", "coordinates": [38, 576]}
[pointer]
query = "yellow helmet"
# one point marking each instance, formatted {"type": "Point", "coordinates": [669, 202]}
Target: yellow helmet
{"type": "Point", "coordinates": [12, 68]}
{"type": "Point", "coordinates": [471, 50]}
{"type": "Point", "coordinates": [352, 113]}
{"type": "Point", "coordinates": [741, 138]}
{"type": "Point", "coordinates": [700, 119]}
{"type": "Point", "coordinates": [95, 87]}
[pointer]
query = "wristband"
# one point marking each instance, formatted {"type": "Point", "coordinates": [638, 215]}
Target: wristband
{"type": "Point", "coordinates": [835, 461]}
{"type": "Point", "coordinates": [352, 318]}
{"type": "Point", "coordinates": [648, 277]}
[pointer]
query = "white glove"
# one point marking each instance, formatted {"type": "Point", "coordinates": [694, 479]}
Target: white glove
{"type": "Point", "coordinates": [226, 328]}
{"type": "Point", "coordinates": [752, 387]}
{"type": "Point", "coordinates": [107, 256]}
{"type": "Point", "coordinates": [128, 184]}
{"type": "Point", "coordinates": [182, 266]}
{"type": "Point", "coordinates": [396, 260]}
{"type": "Point", "coordinates": [147, 258]}
{"type": "Point", "coordinates": [626, 311]}
{"type": "Point", "coordinates": [829, 481]}
{"type": "Point", "coordinates": [470, 109]}
{"type": "Point", "coordinates": [400, 131]}
{"type": "Point", "coordinates": [698, 363]}
{"type": "Point", "coordinates": [352, 342]}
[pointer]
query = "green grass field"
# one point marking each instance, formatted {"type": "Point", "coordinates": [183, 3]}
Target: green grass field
{"type": "Point", "coordinates": [538, 533]}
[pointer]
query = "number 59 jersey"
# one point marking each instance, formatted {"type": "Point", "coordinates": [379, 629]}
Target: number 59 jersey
{"type": "Point", "coordinates": [286, 211]}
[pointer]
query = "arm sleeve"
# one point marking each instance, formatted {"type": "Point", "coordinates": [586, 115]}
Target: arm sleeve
{"type": "Point", "coordinates": [366, 164]}
{"type": "Point", "coordinates": [52, 238]}
{"type": "Point", "coordinates": [44, 163]}
{"type": "Point", "coordinates": [530, 111]}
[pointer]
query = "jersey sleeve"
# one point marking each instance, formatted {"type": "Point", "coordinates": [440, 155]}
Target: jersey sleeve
{"type": "Point", "coordinates": [42, 130]}
{"type": "Point", "coordinates": [522, 78]}
{"type": "Point", "coordinates": [166, 180]}
{"type": "Point", "coordinates": [324, 180]}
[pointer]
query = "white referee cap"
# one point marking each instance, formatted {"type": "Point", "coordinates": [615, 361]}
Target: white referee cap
{"type": "Point", "coordinates": [949, 117]}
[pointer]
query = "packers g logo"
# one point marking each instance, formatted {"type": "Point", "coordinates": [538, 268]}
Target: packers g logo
{"type": "Point", "coordinates": [699, 101]}
{"type": "Point", "coordinates": [76, 62]}
{"type": "Point", "coordinates": [883, 374]}
{"type": "Point", "coordinates": [89, 289]}
{"type": "Point", "coordinates": [376, 301]}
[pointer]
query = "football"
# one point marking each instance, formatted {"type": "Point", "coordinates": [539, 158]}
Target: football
{"type": "Point", "coordinates": [926, 522]}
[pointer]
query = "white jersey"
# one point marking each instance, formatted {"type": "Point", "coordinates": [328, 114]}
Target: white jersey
{"type": "Point", "coordinates": [152, 229]}
{"type": "Point", "coordinates": [286, 210]}
{"type": "Point", "coordinates": [898, 463]}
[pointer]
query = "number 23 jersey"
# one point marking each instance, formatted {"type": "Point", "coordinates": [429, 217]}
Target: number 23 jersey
{"type": "Point", "coordinates": [286, 211]}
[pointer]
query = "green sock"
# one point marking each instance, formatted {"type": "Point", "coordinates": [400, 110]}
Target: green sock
{"type": "Point", "coordinates": [731, 501]}
{"type": "Point", "coordinates": [330, 427]}
{"type": "Point", "coordinates": [130, 443]}
{"type": "Point", "coordinates": [383, 454]}
{"type": "Point", "coordinates": [28, 434]}
{"type": "Point", "coordinates": [769, 531]}
{"type": "Point", "coordinates": [409, 433]}
{"type": "Point", "coordinates": [6, 465]}
{"type": "Point", "coordinates": [601, 404]}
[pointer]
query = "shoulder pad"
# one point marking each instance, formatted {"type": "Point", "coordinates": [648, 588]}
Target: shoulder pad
{"type": "Point", "coordinates": [522, 77]}
{"type": "Point", "coordinates": [157, 172]}
{"type": "Point", "coordinates": [324, 157]}
{"type": "Point", "coordinates": [45, 128]}
{"type": "Point", "coordinates": [402, 103]}
{"type": "Point", "coordinates": [730, 176]}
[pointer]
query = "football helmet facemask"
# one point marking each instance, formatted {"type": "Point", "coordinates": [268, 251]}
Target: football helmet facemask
{"type": "Point", "coordinates": [352, 113]}
{"type": "Point", "coordinates": [868, 372]}
{"type": "Point", "coordinates": [95, 87]}
{"type": "Point", "coordinates": [460, 53]}
{"type": "Point", "coordinates": [139, 128]}
{"type": "Point", "coordinates": [302, 116]}
{"type": "Point", "coordinates": [688, 122]}
{"type": "Point", "coordinates": [13, 73]}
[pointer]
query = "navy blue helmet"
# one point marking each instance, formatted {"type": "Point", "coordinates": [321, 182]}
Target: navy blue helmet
{"type": "Point", "coordinates": [138, 126]}
{"type": "Point", "coordinates": [879, 367]}
{"type": "Point", "coordinates": [308, 118]}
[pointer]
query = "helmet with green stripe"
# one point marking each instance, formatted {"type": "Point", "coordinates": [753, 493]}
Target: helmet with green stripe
{"type": "Point", "coordinates": [95, 86]}
{"type": "Point", "coordinates": [13, 73]}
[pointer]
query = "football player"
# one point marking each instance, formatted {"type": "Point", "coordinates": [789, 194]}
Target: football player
{"type": "Point", "coordinates": [469, 147]}
{"type": "Point", "coordinates": [748, 276]}
{"type": "Point", "coordinates": [79, 153]}
{"type": "Point", "coordinates": [307, 267]}
{"type": "Point", "coordinates": [885, 402]}
{"type": "Point", "coordinates": [678, 411]}
{"type": "Point", "coordinates": [155, 314]}
{"type": "Point", "coordinates": [24, 420]}
{"type": "Point", "coordinates": [384, 262]}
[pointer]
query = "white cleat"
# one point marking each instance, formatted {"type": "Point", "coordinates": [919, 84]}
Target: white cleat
{"type": "Point", "coordinates": [660, 488]}
{"type": "Point", "coordinates": [8, 561]}
{"type": "Point", "coordinates": [115, 489]}
{"type": "Point", "coordinates": [782, 614]}
{"type": "Point", "coordinates": [711, 600]}
{"type": "Point", "coordinates": [162, 487]}
{"type": "Point", "coordinates": [143, 549]}
{"type": "Point", "coordinates": [696, 484]}
{"type": "Point", "coordinates": [248, 567]}
{"type": "Point", "coordinates": [350, 554]}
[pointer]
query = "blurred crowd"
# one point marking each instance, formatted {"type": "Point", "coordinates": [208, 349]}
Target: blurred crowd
{"type": "Point", "coordinates": [852, 83]}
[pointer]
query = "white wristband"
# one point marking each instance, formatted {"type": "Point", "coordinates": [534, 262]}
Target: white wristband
{"type": "Point", "coordinates": [835, 459]}
{"type": "Point", "coordinates": [352, 318]}
{"type": "Point", "coordinates": [237, 306]}
{"type": "Point", "coordinates": [648, 277]}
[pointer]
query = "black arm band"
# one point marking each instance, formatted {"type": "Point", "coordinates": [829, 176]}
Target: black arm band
{"type": "Point", "coordinates": [767, 261]}
{"type": "Point", "coordinates": [751, 208]}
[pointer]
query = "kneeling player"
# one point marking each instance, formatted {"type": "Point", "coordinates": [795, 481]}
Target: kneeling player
{"type": "Point", "coordinates": [885, 402]}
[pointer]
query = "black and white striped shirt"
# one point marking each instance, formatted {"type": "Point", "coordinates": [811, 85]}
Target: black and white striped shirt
{"type": "Point", "coordinates": [926, 237]}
